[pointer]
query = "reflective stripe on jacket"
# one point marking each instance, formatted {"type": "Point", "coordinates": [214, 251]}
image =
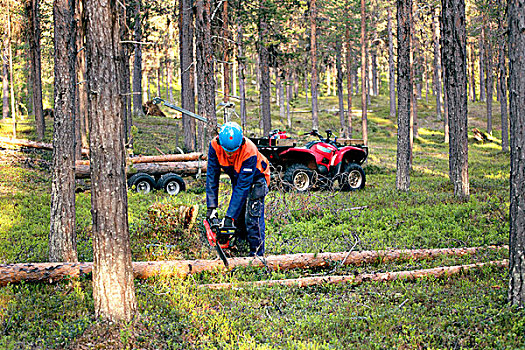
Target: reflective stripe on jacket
{"type": "Point", "coordinates": [245, 166]}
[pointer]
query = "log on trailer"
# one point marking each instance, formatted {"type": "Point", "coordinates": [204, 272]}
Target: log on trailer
{"type": "Point", "coordinates": [186, 157]}
{"type": "Point", "coordinates": [409, 275]}
{"type": "Point", "coordinates": [33, 144]}
{"type": "Point", "coordinates": [187, 168]}
{"type": "Point", "coordinates": [50, 272]}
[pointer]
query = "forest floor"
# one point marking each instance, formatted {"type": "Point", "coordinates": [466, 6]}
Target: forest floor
{"type": "Point", "coordinates": [461, 311]}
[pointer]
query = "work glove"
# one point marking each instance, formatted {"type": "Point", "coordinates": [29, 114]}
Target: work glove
{"type": "Point", "coordinates": [213, 217]}
{"type": "Point", "coordinates": [211, 213]}
{"type": "Point", "coordinates": [227, 222]}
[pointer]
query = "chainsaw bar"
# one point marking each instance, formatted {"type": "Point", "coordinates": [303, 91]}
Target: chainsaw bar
{"type": "Point", "coordinates": [212, 239]}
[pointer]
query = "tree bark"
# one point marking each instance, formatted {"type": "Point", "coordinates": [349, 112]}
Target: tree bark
{"type": "Point", "coordinates": [364, 73]}
{"type": "Point", "coordinates": [5, 85]}
{"type": "Point", "coordinates": [226, 48]}
{"type": "Point", "coordinates": [502, 68]}
{"type": "Point", "coordinates": [206, 71]}
{"type": "Point", "coordinates": [137, 62]}
{"type": "Point", "coordinates": [391, 67]}
{"type": "Point", "coordinates": [482, 87]}
{"type": "Point", "coordinates": [34, 34]}
{"type": "Point", "coordinates": [339, 67]}
{"type": "Point", "coordinates": [264, 66]}
{"type": "Point", "coordinates": [437, 63]}
{"type": "Point", "coordinates": [187, 71]}
{"type": "Point", "coordinates": [113, 288]}
{"type": "Point", "coordinates": [348, 59]}
{"type": "Point", "coordinates": [62, 235]}
{"type": "Point", "coordinates": [410, 275]}
{"type": "Point", "coordinates": [472, 75]}
{"type": "Point", "coordinates": [404, 94]}
{"type": "Point", "coordinates": [53, 272]}
{"type": "Point", "coordinates": [490, 85]}
{"type": "Point", "coordinates": [455, 72]}
{"type": "Point", "coordinates": [516, 13]}
{"type": "Point", "coordinates": [11, 76]}
{"type": "Point", "coordinates": [157, 168]}
{"type": "Point", "coordinates": [81, 102]}
{"type": "Point", "coordinates": [313, 59]}
{"type": "Point", "coordinates": [241, 70]}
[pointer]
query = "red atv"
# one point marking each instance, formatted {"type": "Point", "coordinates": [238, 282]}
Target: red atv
{"type": "Point", "coordinates": [325, 163]}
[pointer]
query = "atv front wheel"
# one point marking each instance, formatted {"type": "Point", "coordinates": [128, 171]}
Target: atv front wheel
{"type": "Point", "coordinates": [353, 178]}
{"type": "Point", "coordinates": [299, 177]}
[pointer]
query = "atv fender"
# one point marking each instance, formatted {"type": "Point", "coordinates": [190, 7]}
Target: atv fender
{"type": "Point", "coordinates": [351, 155]}
{"type": "Point", "coordinates": [299, 155]}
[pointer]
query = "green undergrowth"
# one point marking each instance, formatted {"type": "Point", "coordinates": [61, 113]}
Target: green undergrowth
{"type": "Point", "coordinates": [468, 310]}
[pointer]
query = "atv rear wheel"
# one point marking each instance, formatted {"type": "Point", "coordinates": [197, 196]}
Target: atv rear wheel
{"type": "Point", "coordinates": [299, 177]}
{"type": "Point", "coordinates": [353, 178]}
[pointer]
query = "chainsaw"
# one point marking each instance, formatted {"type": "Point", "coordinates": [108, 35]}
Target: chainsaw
{"type": "Point", "coordinates": [221, 238]}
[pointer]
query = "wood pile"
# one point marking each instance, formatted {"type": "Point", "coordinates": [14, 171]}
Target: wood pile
{"type": "Point", "coordinates": [187, 164]}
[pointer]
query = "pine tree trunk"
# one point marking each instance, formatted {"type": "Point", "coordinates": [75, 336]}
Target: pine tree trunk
{"type": "Point", "coordinates": [404, 94]}
{"type": "Point", "coordinates": [137, 62]}
{"type": "Point", "coordinates": [289, 98]}
{"type": "Point", "coordinates": [516, 13]}
{"type": "Point", "coordinates": [472, 74]}
{"type": "Point", "coordinates": [280, 94]}
{"type": "Point", "coordinates": [339, 67]}
{"type": "Point", "coordinates": [490, 86]}
{"type": "Point", "coordinates": [62, 236]}
{"type": "Point", "coordinates": [455, 72]}
{"type": "Point", "coordinates": [5, 87]}
{"type": "Point", "coordinates": [482, 87]}
{"type": "Point", "coordinates": [391, 67]}
{"type": "Point", "coordinates": [81, 104]}
{"type": "Point", "coordinates": [226, 48]}
{"type": "Point", "coordinates": [414, 71]}
{"type": "Point", "coordinates": [348, 59]}
{"type": "Point", "coordinates": [187, 72]}
{"type": "Point", "coordinates": [206, 71]}
{"type": "Point", "coordinates": [313, 58]}
{"type": "Point", "coordinates": [11, 76]}
{"type": "Point", "coordinates": [264, 66]}
{"type": "Point", "coordinates": [437, 63]}
{"type": "Point", "coordinates": [375, 90]}
{"type": "Point", "coordinates": [364, 74]}
{"type": "Point", "coordinates": [242, 68]}
{"type": "Point", "coordinates": [113, 288]}
{"type": "Point", "coordinates": [34, 34]}
{"type": "Point", "coordinates": [503, 83]}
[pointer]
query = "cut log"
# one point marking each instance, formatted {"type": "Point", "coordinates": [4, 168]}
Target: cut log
{"type": "Point", "coordinates": [163, 158]}
{"type": "Point", "coordinates": [410, 275]}
{"type": "Point", "coordinates": [33, 144]}
{"type": "Point", "coordinates": [186, 168]}
{"type": "Point", "coordinates": [49, 272]}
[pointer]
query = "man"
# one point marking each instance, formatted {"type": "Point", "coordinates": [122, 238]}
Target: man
{"type": "Point", "coordinates": [249, 172]}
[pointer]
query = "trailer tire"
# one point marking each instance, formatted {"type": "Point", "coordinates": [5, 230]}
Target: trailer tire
{"type": "Point", "coordinates": [172, 184]}
{"type": "Point", "coordinates": [141, 183]}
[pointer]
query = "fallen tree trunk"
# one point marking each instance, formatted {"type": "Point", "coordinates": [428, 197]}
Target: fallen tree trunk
{"type": "Point", "coordinates": [436, 272]}
{"type": "Point", "coordinates": [155, 159]}
{"type": "Point", "coordinates": [15, 273]}
{"type": "Point", "coordinates": [33, 144]}
{"type": "Point", "coordinates": [187, 168]}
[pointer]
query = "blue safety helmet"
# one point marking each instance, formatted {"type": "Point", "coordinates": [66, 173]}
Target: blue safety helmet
{"type": "Point", "coordinates": [230, 136]}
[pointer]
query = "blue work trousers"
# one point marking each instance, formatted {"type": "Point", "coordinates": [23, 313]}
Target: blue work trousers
{"type": "Point", "coordinates": [250, 223]}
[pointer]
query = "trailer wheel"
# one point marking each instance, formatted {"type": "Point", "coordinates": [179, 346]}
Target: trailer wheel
{"type": "Point", "coordinates": [172, 184]}
{"type": "Point", "coordinates": [354, 178]}
{"type": "Point", "coordinates": [141, 183]}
